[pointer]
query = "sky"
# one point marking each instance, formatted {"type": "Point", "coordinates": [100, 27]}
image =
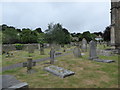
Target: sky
{"type": "Point", "coordinates": [74, 16]}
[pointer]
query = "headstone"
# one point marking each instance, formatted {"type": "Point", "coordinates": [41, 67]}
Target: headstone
{"type": "Point", "coordinates": [77, 52]}
{"type": "Point", "coordinates": [42, 49]}
{"type": "Point", "coordinates": [104, 61]}
{"type": "Point", "coordinates": [29, 64]}
{"type": "Point", "coordinates": [52, 55]}
{"type": "Point", "coordinates": [9, 82]}
{"type": "Point", "coordinates": [104, 52]}
{"type": "Point", "coordinates": [58, 71]}
{"type": "Point", "coordinates": [30, 49]}
{"type": "Point", "coordinates": [58, 53]}
{"type": "Point", "coordinates": [84, 45]}
{"type": "Point", "coordinates": [92, 53]}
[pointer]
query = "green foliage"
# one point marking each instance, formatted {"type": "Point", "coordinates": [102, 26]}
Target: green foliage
{"type": "Point", "coordinates": [28, 36]}
{"type": "Point", "coordinates": [19, 46]}
{"type": "Point", "coordinates": [106, 34]}
{"type": "Point", "coordinates": [56, 34]}
{"type": "Point", "coordinates": [10, 35]}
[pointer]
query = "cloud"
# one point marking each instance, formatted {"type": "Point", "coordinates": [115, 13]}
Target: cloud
{"type": "Point", "coordinates": [76, 17]}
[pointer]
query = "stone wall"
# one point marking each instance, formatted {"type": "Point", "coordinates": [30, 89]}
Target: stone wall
{"type": "Point", "coordinates": [115, 23]}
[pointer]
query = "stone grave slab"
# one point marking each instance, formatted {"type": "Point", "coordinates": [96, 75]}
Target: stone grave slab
{"type": "Point", "coordinates": [9, 82]}
{"type": "Point", "coordinates": [104, 61]}
{"type": "Point", "coordinates": [58, 53]}
{"type": "Point", "coordinates": [58, 71]}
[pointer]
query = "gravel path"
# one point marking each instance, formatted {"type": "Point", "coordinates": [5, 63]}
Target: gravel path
{"type": "Point", "coordinates": [21, 64]}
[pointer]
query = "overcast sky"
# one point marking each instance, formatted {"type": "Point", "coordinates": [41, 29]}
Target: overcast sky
{"type": "Point", "coordinates": [76, 17]}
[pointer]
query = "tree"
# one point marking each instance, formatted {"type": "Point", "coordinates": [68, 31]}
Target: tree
{"type": "Point", "coordinates": [38, 30]}
{"type": "Point", "coordinates": [28, 36]}
{"type": "Point", "coordinates": [9, 35]}
{"type": "Point", "coordinates": [56, 34]}
{"type": "Point", "coordinates": [106, 34]}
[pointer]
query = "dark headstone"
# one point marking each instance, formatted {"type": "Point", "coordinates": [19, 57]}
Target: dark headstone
{"type": "Point", "coordinates": [29, 64]}
{"type": "Point", "coordinates": [52, 55]}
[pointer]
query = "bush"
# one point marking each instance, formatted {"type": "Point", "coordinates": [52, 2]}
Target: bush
{"type": "Point", "coordinates": [19, 46]}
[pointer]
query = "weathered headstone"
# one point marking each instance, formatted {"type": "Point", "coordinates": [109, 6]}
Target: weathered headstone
{"type": "Point", "coordinates": [58, 71]}
{"type": "Point", "coordinates": [42, 49]}
{"type": "Point", "coordinates": [29, 64]}
{"type": "Point", "coordinates": [30, 49]}
{"type": "Point", "coordinates": [9, 82]}
{"type": "Point", "coordinates": [92, 53]}
{"type": "Point", "coordinates": [52, 55]}
{"type": "Point", "coordinates": [77, 52]}
{"type": "Point", "coordinates": [84, 45]}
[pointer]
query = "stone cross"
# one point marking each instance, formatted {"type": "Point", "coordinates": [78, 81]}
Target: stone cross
{"type": "Point", "coordinates": [77, 52]}
{"type": "Point", "coordinates": [52, 55]}
{"type": "Point", "coordinates": [92, 53]}
{"type": "Point", "coordinates": [84, 45]}
{"type": "Point", "coordinates": [29, 64]}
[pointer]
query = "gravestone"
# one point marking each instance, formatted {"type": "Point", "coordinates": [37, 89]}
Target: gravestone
{"type": "Point", "coordinates": [58, 71]}
{"type": "Point", "coordinates": [42, 49]}
{"type": "Point", "coordinates": [77, 52]}
{"type": "Point", "coordinates": [52, 55]}
{"type": "Point", "coordinates": [9, 82]}
{"type": "Point", "coordinates": [29, 64]}
{"type": "Point", "coordinates": [30, 49]}
{"type": "Point", "coordinates": [104, 61]}
{"type": "Point", "coordinates": [92, 52]}
{"type": "Point", "coordinates": [84, 45]}
{"type": "Point", "coordinates": [58, 53]}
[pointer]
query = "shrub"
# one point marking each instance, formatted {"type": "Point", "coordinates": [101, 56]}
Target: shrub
{"type": "Point", "coordinates": [19, 46]}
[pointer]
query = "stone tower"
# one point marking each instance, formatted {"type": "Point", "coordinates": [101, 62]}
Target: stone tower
{"type": "Point", "coordinates": [115, 23]}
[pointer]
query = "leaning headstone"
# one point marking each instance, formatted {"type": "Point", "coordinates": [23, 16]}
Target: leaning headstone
{"type": "Point", "coordinates": [77, 52]}
{"type": "Point", "coordinates": [84, 45]}
{"type": "Point", "coordinates": [92, 53]}
{"type": "Point", "coordinates": [9, 82]}
{"type": "Point", "coordinates": [52, 55]}
{"type": "Point", "coordinates": [29, 64]}
{"type": "Point", "coordinates": [58, 71]}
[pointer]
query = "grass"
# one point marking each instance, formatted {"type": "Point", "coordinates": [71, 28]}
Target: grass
{"type": "Point", "coordinates": [88, 74]}
{"type": "Point", "coordinates": [21, 56]}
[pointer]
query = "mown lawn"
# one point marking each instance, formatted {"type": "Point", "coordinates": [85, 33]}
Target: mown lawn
{"type": "Point", "coordinates": [88, 74]}
{"type": "Point", "coordinates": [21, 56]}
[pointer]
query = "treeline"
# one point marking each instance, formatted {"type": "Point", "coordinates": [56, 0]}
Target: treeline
{"type": "Point", "coordinates": [54, 34]}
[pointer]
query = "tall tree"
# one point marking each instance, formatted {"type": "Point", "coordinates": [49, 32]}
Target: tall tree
{"type": "Point", "coordinates": [106, 34]}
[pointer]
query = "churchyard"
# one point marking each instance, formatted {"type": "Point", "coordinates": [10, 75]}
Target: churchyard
{"type": "Point", "coordinates": [87, 73]}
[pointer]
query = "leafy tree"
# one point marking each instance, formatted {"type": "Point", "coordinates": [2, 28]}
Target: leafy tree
{"type": "Point", "coordinates": [56, 34]}
{"type": "Point", "coordinates": [9, 35]}
{"type": "Point", "coordinates": [28, 36]}
{"type": "Point", "coordinates": [38, 30]}
{"type": "Point", "coordinates": [106, 34]}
